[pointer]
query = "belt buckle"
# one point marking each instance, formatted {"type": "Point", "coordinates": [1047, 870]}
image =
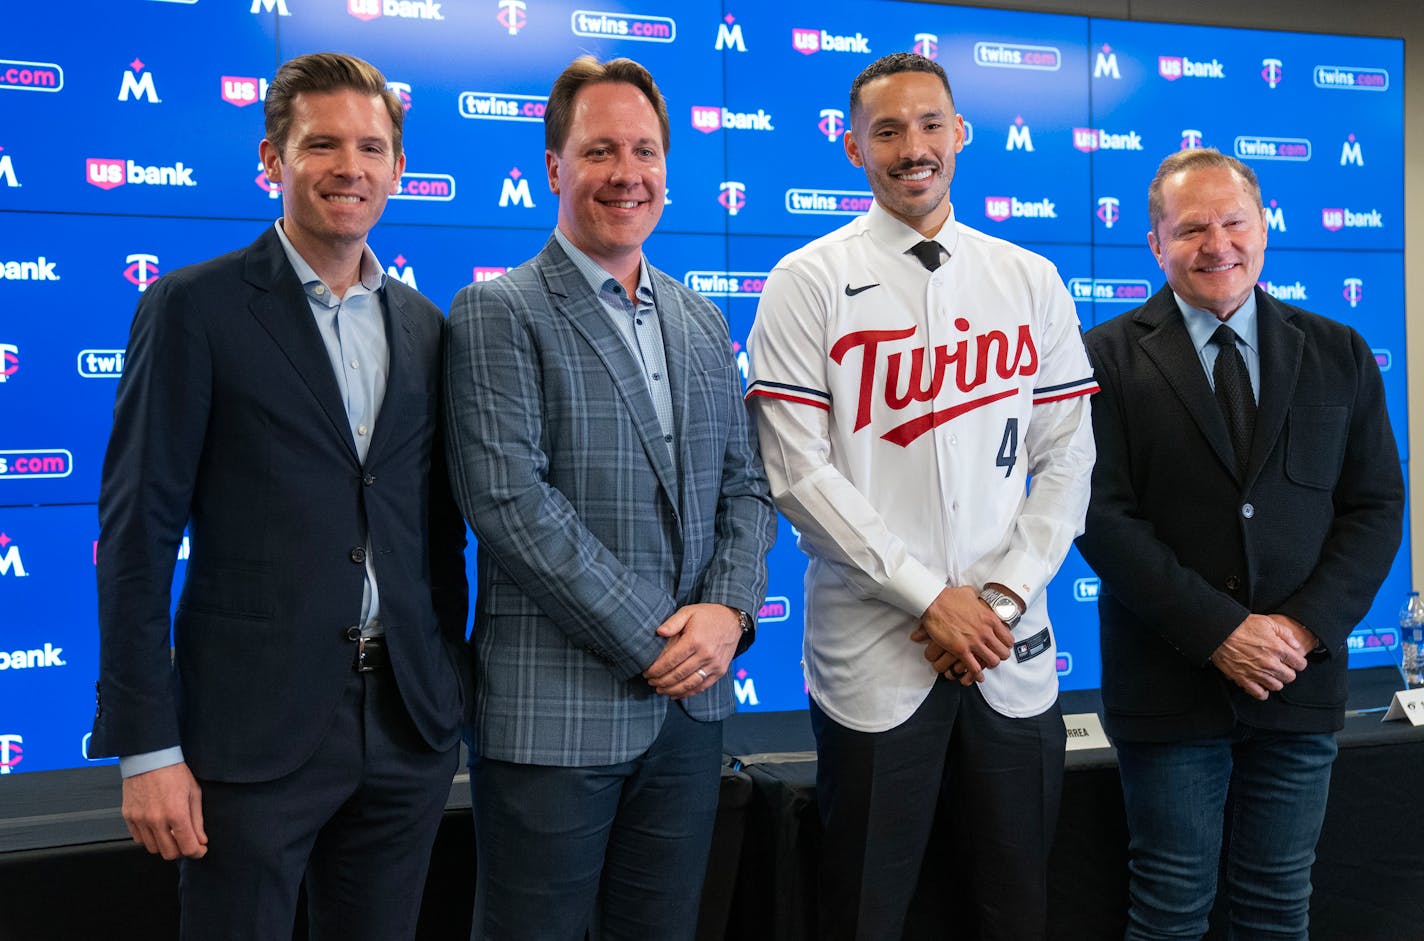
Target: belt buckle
{"type": "Point", "coordinates": [370, 655]}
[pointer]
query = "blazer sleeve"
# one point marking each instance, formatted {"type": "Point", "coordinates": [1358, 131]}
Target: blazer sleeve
{"type": "Point", "coordinates": [1369, 509]}
{"type": "Point", "coordinates": [160, 420]}
{"type": "Point", "coordinates": [745, 528]}
{"type": "Point", "coordinates": [498, 464]}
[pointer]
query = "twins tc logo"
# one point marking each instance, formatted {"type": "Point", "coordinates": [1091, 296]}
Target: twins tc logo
{"type": "Point", "coordinates": [10, 360]}
{"type": "Point", "coordinates": [138, 84]}
{"type": "Point", "coordinates": [1271, 72]}
{"type": "Point", "coordinates": [1191, 139]}
{"type": "Point", "coordinates": [402, 91]}
{"type": "Point", "coordinates": [11, 753]}
{"type": "Point", "coordinates": [1354, 291]}
{"type": "Point", "coordinates": [273, 190]}
{"type": "Point", "coordinates": [733, 196]}
{"type": "Point", "coordinates": [1108, 210]}
{"type": "Point", "coordinates": [832, 123]}
{"type": "Point", "coordinates": [927, 45]}
{"type": "Point", "coordinates": [142, 270]}
{"type": "Point", "coordinates": [512, 15]}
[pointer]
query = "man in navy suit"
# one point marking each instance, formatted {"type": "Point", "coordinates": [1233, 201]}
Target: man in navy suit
{"type": "Point", "coordinates": [282, 402]}
{"type": "Point", "coordinates": [1246, 506]}
{"type": "Point", "coordinates": [600, 449]}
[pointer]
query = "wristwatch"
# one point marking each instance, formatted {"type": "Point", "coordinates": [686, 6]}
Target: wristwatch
{"type": "Point", "coordinates": [1005, 608]}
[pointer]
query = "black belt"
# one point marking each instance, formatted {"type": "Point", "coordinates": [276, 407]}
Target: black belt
{"type": "Point", "coordinates": [370, 652]}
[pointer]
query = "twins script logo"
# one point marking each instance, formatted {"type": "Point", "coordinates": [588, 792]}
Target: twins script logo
{"type": "Point", "coordinates": [917, 374]}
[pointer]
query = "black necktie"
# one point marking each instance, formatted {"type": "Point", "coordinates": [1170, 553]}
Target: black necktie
{"type": "Point", "coordinates": [1233, 394]}
{"type": "Point", "coordinates": [928, 254]}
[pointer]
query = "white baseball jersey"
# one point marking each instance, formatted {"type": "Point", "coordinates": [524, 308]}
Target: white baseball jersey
{"type": "Point", "coordinates": [902, 414]}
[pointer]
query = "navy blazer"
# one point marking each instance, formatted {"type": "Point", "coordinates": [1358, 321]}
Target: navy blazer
{"type": "Point", "coordinates": [588, 536]}
{"type": "Point", "coordinates": [229, 420]}
{"type": "Point", "coordinates": [1186, 549]}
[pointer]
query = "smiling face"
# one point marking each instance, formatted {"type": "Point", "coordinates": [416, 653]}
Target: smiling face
{"type": "Point", "coordinates": [610, 175]}
{"type": "Point", "coordinates": [339, 168]}
{"type": "Point", "coordinates": [905, 135]}
{"type": "Point", "coordinates": [1211, 239]}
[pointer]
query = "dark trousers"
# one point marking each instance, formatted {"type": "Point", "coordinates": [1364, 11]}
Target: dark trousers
{"type": "Point", "coordinates": [995, 784]}
{"type": "Point", "coordinates": [356, 821]}
{"type": "Point", "coordinates": [617, 851]}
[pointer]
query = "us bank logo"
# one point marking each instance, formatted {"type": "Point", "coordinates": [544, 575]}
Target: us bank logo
{"type": "Point", "coordinates": [142, 270]}
{"type": "Point", "coordinates": [1336, 219]}
{"type": "Point", "coordinates": [1354, 291]}
{"type": "Point", "coordinates": [488, 272]}
{"type": "Point", "coordinates": [40, 269]}
{"type": "Point", "coordinates": [1001, 208]}
{"type": "Point", "coordinates": [811, 41]}
{"type": "Point", "coordinates": [732, 196]}
{"type": "Point", "coordinates": [513, 16]}
{"type": "Point", "coordinates": [1174, 67]}
{"type": "Point", "coordinates": [243, 90]}
{"type": "Point", "coordinates": [108, 173]}
{"type": "Point", "coordinates": [600, 24]}
{"type": "Point", "coordinates": [399, 9]}
{"type": "Point", "coordinates": [429, 187]}
{"type": "Point", "coordinates": [1109, 211]}
{"type": "Point", "coordinates": [726, 283]}
{"type": "Point", "coordinates": [710, 118]}
{"type": "Point", "coordinates": [926, 44]}
{"type": "Point", "coordinates": [818, 202]}
{"type": "Point", "coordinates": [1110, 291]}
{"type": "Point", "coordinates": [502, 106]}
{"type": "Point", "coordinates": [1089, 139]}
{"type": "Point", "coordinates": [999, 55]}
{"type": "Point", "coordinates": [18, 75]}
{"type": "Point", "coordinates": [1350, 78]}
{"type": "Point", "coordinates": [1271, 72]}
{"type": "Point", "coordinates": [1295, 149]}
{"type": "Point", "coordinates": [832, 124]}
{"type": "Point", "coordinates": [137, 84]}
{"type": "Point", "coordinates": [1294, 291]}
{"type": "Point", "coordinates": [9, 361]}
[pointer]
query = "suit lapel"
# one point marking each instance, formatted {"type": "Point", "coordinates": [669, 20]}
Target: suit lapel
{"type": "Point", "coordinates": [400, 342]}
{"type": "Point", "coordinates": [1280, 345]}
{"type": "Point", "coordinates": [575, 301]}
{"type": "Point", "coordinates": [1170, 348]}
{"type": "Point", "coordinates": [678, 350]}
{"type": "Point", "coordinates": [281, 307]}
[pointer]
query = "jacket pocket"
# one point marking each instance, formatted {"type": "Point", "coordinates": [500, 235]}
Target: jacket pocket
{"type": "Point", "coordinates": [1315, 444]}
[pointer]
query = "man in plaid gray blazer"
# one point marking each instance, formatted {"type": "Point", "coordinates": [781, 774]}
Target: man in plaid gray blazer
{"type": "Point", "coordinates": [602, 454]}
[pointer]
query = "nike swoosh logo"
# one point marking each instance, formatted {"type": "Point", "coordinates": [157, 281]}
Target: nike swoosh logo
{"type": "Point", "coordinates": [852, 292]}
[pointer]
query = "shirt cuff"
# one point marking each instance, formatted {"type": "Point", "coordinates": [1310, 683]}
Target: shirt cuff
{"type": "Point", "coordinates": [150, 761]}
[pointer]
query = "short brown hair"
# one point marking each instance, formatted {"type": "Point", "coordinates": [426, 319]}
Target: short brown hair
{"type": "Point", "coordinates": [325, 72]}
{"type": "Point", "coordinates": [584, 71]}
{"type": "Point", "coordinates": [1198, 158]}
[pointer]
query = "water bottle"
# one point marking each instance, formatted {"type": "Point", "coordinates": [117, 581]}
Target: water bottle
{"type": "Point", "coordinates": [1411, 637]}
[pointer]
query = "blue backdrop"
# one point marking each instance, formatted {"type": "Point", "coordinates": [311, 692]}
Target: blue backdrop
{"type": "Point", "coordinates": [128, 148]}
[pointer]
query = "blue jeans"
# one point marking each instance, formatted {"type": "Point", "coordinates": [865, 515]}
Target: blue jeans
{"type": "Point", "coordinates": [1178, 796]}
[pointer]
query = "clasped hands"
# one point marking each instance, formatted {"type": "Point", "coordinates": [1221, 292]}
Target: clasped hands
{"type": "Point", "coordinates": [962, 637]}
{"type": "Point", "coordinates": [1264, 653]}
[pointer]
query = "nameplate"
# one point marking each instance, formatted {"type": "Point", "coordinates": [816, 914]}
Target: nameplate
{"type": "Point", "coordinates": [1407, 704]}
{"type": "Point", "coordinates": [1085, 730]}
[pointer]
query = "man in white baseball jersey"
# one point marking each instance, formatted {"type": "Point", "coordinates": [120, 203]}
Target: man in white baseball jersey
{"type": "Point", "coordinates": [909, 376]}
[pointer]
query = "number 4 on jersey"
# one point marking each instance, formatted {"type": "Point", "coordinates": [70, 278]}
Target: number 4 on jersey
{"type": "Point", "coordinates": [1009, 447]}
